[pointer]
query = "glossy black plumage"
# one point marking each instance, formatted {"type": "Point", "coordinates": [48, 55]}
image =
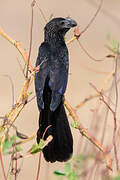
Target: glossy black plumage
{"type": "Point", "coordinates": [50, 86]}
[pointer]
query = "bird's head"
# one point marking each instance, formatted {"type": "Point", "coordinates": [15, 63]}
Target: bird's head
{"type": "Point", "coordinates": [59, 26]}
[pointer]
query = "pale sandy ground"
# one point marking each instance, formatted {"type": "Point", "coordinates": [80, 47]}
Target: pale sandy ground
{"type": "Point", "coordinates": [15, 20]}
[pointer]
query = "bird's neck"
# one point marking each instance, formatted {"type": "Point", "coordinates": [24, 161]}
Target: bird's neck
{"type": "Point", "coordinates": [54, 39]}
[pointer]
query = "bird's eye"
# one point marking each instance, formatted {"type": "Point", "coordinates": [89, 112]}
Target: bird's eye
{"type": "Point", "coordinates": [62, 23]}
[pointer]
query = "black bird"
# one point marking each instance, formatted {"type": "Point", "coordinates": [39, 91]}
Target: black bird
{"type": "Point", "coordinates": [50, 85]}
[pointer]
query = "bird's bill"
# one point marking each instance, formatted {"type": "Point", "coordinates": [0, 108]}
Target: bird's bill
{"type": "Point", "coordinates": [70, 22]}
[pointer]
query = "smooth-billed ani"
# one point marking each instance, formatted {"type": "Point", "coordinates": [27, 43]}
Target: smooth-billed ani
{"type": "Point", "coordinates": [50, 85]}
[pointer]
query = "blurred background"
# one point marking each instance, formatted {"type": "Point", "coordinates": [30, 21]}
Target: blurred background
{"type": "Point", "coordinates": [15, 20]}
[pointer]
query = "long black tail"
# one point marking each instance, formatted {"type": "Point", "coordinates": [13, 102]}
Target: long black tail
{"type": "Point", "coordinates": [61, 147]}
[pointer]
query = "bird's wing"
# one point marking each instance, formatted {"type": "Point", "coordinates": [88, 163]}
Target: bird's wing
{"type": "Point", "coordinates": [59, 70]}
{"type": "Point", "coordinates": [40, 76]}
{"type": "Point", "coordinates": [58, 79]}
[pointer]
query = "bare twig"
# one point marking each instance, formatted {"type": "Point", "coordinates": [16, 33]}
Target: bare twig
{"type": "Point", "coordinates": [93, 18]}
{"type": "Point", "coordinates": [2, 166]}
{"type": "Point", "coordinates": [31, 29]}
{"type": "Point", "coordinates": [85, 133]}
{"type": "Point", "coordinates": [115, 125]}
{"type": "Point", "coordinates": [42, 13]}
{"type": "Point", "coordinates": [12, 87]}
{"type": "Point", "coordinates": [107, 13]}
{"type": "Point", "coordinates": [38, 170]}
{"type": "Point", "coordinates": [18, 46]}
{"type": "Point", "coordinates": [21, 68]}
{"type": "Point", "coordinates": [90, 97]}
{"type": "Point", "coordinates": [46, 131]}
{"type": "Point", "coordinates": [115, 120]}
{"type": "Point", "coordinates": [86, 52]}
{"type": "Point", "coordinates": [106, 117]}
{"type": "Point", "coordinates": [39, 162]}
{"type": "Point", "coordinates": [114, 131]}
{"type": "Point", "coordinates": [115, 79]}
{"type": "Point", "coordinates": [86, 67]}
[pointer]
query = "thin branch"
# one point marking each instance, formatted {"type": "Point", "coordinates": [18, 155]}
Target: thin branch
{"type": "Point", "coordinates": [115, 120]}
{"type": "Point", "coordinates": [86, 52]}
{"type": "Point", "coordinates": [26, 140]}
{"type": "Point", "coordinates": [12, 87]}
{"type": "Point", "coordinates": [31, 29]}
{"type": "Point", "coordinates": [114, 133]}
{"type": "Point", "coordinates": [106, 117]}
{"type": "Point", "coordinates": [93, 18]}
{"type": "Point", "coordinates": [85, 133]}
{"type": "Point", "coordinates": [115, 79]}
{"type": "Point", "coordinates": [46, 131]}
{"type": "Point", "coordinates": [91, 69]}
{"type": "Point", "coordinates": [42, 13]}
{"type": "Point", "coordinates": [21, 68]}
{"type": "Point", "coordinates": [18, 46]}
{"type": "Point", "coordinates": [107, 13]}
{"type": "Point", "coordinates": [115, 126]}
{"type": "Point", "coordinates": [90, 97]}
{"type": "Point", "coordinates": [2, 166]}
{"type": "Point", "coordinates": [38, 170]}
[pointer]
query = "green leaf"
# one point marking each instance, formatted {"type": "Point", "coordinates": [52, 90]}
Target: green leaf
{"type": "Point", "coordinates": [115, 44]}
{"type": "Point", "coordinates": [8, 143]}
{"type": "Point", "coordinates": [59, 173]}
{"type": "Point", "coordinates": [41, 144]}
{"type": "Point", "coordinates": [67, 168]}
{"type": "Point", "coordinates": [72, 176]}
{"type": "Point", "coordinates": [74, 125]}
{"type": "Point", "coordinates": [116, 178]}
{"type": "Point", "coordinates": [37, 147]}
{"type": "Point", "coordinates": [29, 93]}
{"type": "Point", "coordinates": [18, 148]}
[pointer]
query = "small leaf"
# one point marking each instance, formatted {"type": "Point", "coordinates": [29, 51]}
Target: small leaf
{"type": "Point", "coordinates": [67, 168]}
{"type": "Point", "coordinates": [8, 144]}
{"type": "Point", "coordinates": [29, 93]}
{"type": "Point", "coordinates": [59, 173]}
{"type": "Point", "coordinates": [115, 44]}
{"type": "Point", "coordinates": [74, 125]}
{"type": "Point", "coordinates": [37, 147]}
{"type": "Point", "coordinates": [18, 148]}
{"type": "Point", "coordinates": [41, 143]}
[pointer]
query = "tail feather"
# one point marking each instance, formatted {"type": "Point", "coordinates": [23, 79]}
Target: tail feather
{"type": "Point", "coordinates": [61, 147]}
